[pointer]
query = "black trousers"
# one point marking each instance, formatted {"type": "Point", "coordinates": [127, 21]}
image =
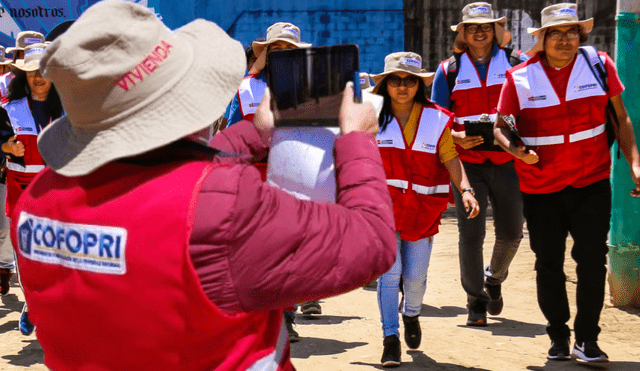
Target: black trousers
{"type": "Point", "coordinates": [585, 213]}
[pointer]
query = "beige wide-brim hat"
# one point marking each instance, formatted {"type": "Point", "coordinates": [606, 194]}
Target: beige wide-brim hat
{"type": "Point", "coordinates": [280, 31]}
{"type": "Point", "coordinates": [365, 82]}
{"type": "Point", "coordinates": [32, 56]}
{"type": "Point", "coordinates": [134, 85]}
{"type": "Point", "coordinates": [402, 62]}
{"type": "Point", "coordinates": [26, 38]}
{"type": "Point", "coordinates": [3, 60]}
{"type": "Point", "coordinates": [564, 14]}
{"type": "Point", "coordinates": [480, 13]}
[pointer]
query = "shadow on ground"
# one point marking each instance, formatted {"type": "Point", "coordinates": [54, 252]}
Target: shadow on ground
{"type": "Point", "coordinates": [574, 366]}
{"type": "Point", "coordinates": [302, 319]}
{"type": "Point", "coordinates": [10, 303]}
{"type": "Point", "coordinates": [448, 311]}
{"type": "Point", "coordinates": [30, 355]}
{"type": "Point", "coordinates": [309, 346]}
{"type": "Point", "coordinates": [421, 361]}
{"type": "Point", "coordinates": [506, 327]}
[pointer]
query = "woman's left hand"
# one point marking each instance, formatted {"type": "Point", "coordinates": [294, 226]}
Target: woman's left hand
{"type": "Point", "coordinates": [470, 205]}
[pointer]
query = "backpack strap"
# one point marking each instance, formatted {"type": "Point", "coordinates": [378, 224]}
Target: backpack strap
{"type": "Point", "coordinates": [513, 55]}
{"type": "Point", "coordinates": [452, 71]}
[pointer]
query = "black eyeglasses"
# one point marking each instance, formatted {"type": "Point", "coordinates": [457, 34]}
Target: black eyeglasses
{"type": "Point", "coordinates": [557, 35]}
{"type": "Point", "coordinates": [473, 28]}
{"type": "Point", "coordinates": [409, 81]}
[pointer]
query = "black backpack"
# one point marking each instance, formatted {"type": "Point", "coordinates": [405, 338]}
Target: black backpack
{"type": "Point", "coordinates": [454, 62]}
{"type": "Point", "coordinates": [600, 73]}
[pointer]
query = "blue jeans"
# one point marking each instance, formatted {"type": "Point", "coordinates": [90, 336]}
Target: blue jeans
{"type": "Point", "coordinates": [7, 260]}
{"type": "Point", "coordinates": [412, 262]}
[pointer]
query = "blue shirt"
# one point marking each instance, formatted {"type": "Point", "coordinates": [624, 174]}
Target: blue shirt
{"type": "Point", "coordinates": [234, 114]}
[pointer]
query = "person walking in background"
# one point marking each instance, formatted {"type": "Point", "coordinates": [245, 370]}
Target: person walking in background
{"type": "Point", "coordinates": [24, 39]}
{"type": "Point", "coordinates": [564, 166]}
{"type": "Point", "coordinates": [469, 85]}
{"type": "Point", "coordinates": [420, 162]}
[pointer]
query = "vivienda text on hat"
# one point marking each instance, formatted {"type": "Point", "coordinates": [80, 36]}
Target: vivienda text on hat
{"type": "Point", "coordinates": [291, 31]}
{"type": "Point", "coordinates": [33, 51]}
{"type": "Point", "coordinates": [480, 9]}
{"type": "Point", "coordinates": [566, 11]}
{"type": "Point", "coordinates": [411, 62]}
{"type": "Point", "coordinates": [149, 64]}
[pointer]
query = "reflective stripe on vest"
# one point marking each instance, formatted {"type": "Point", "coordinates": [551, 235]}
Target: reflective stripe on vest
{"type": "Point", "coordinates": [398, 183]}
{"type": "Point", "coordinates": [271, 362]}
{"type": "Point", "coordinates": [559, 139]}
{"type": "Point", "coordinates": [25, 169]}
{"type": "Point", "coordinates": [443, 188]}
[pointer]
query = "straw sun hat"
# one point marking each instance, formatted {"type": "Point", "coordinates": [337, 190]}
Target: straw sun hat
{"type": "Point", "coordinates": [564, 14]}
{"type": "Point", "coordinates": [280, 31]}
{"type": "Point", "coordinates": [26, 38]}
{"type": "Point", "coordinates": [133, 85]}
{"type": "Point", "coordinates": [480, 13]}
{"type": "Point", "coordinates": [32, 56]}
{"type": "Point", "coordinates": [403, 62]}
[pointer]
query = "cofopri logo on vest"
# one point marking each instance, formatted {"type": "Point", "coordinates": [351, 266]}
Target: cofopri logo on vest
{"type": "Point", "coordinates": [93, 248]}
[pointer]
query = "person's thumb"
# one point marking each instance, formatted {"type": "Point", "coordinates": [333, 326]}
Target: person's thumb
{"type": "Point", "coordinates": [348, 93]}
{"type": "Point", "coordinates": [13, 139]}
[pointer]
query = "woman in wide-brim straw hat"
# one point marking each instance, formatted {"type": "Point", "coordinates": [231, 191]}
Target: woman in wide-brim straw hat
{"type": "Point", "coordinates": [468, 84]}
{"type": "Point", "coordinates": [564, 166]}
{"type": "Point", "coordinates": [420, 162]}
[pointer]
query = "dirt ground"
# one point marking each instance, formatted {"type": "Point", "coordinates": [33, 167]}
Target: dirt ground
{"type": "Point", "coordinates": [348, 335]}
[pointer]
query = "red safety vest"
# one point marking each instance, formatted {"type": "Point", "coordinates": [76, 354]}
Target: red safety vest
{"type": "Point", "coordinates": [4, 86]}
{"type": "Point", "coordinates": [418, 181]}
{"type": "Point", "coordinates": [568, 134]}
{"type": "Point", "coordinates": [106, 270]}
{"type": "Point", "coordinates": [26, 131]}
{"type": "Point", "coordinates": [471, 97]}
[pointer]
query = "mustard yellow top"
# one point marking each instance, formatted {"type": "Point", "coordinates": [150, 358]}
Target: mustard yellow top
{"type": "Point", "coordinates": [446, 147]}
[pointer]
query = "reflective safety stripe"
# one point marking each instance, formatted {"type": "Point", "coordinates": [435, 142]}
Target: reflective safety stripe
{"type": "Point", "coordinates": [543, 141]}
{"type": "Point", "coordinates": [398, 183]}
{"type": "Point", "coordinates": [443, 188]}
{"type": "Point", "coordinates": [462, 119]}
{"type": "Point", "coordinates": [586, 134]}
{"type": "Point", "coordinates": [28, 169]}
{"type": "Point", "coordinates": [271, 362]}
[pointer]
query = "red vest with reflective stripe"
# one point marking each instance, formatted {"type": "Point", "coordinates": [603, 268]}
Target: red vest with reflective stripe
{"type": "Point", "coordinates": [107, 255]}
{"type": "Point", "coordinates": [568, 134]}
{"type": "Point", "coordinates": [26, 131]}
{"type": "Point", "coordinates": [4, 86]}
{"type": "Point", "coordinates": [418, 181]}
{"type": "Point", "coordinates": [471, 97]}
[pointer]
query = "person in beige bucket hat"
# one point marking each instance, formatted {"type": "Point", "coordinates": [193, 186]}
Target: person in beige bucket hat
{"type": "Point", "coordinates": [468, 84]}
{"type": "Point", "coordinates": [24, 39]}
{"type": "Point", "coordinates": [563, 107]}
{"type": "Point", "coordinates": [164, 243]}
{"type": "Point", "coordinates": [4, 62]}
{"type": "Point", "coordinates": [420, 163]}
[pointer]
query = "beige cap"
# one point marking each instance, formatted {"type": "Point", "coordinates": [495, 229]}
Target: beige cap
{"type": "Point", "coordinates": [280, 31]}
{"type": "Point", "coordinates": [134, 85]}
{"type": "Point", "coordinates": [403, 62]}
{"type": "Point", "coordinates": [479, 13]}
{"type": "Point", "coordinates": [564, 14]}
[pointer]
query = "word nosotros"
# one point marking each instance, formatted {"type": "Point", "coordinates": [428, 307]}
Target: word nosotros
{"type": "Point", "coordinates": [35, 12]}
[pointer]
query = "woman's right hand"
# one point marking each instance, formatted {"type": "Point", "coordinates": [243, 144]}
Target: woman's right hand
{"type": "Point", "coordinates": [14, 147]}
{"type": "Point", "coordinates": [460, 138]}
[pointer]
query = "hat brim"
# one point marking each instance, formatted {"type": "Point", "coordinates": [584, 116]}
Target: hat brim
{"type": "Point", "coordinates": [503, 36]}
{"type": "Point", "coordinates": [28, 67]}
{"type": "Point", "coordinates": [195, 101]}
{"type": "Point", "coordinates": [260, 49]}
{"type": "Point", "coordinates": [586, 27]}
{"type": "Point", "coordinates": [427, 78]}
{"type": "Point", "coordinates": [13, 49]}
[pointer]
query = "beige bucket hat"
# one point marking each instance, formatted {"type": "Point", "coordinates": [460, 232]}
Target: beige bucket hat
{"type": "Point", "coordinates": [402, 62]}
{"type": "Point", "coordinates": [3, 60]}
{"type": "Point", "coordinates": [479, 13]}
{"type": "Point", "coordinates": [563, 14]}
{"type": "Point", "coordinates": [134, 85]}
{"type": "Point", "coordinates": [280, 31]}
{"type": "Point", "coordinates": [32, 55]}
{"type": "Point", "coordinates": [365, 82]}
{"type": "Point", "coordinates": [26, 38]}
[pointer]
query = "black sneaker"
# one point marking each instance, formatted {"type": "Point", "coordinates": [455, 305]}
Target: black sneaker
{"type": "Point", "coordinates": [412, 331]}
{"type": "Point", "coordinates": [293, 335]}
{"type": "Point", "coordinates": [496, 304]}
{"type": "Point", "coordinates": [311, 307]}
{"type": "Point", "coordinates": [477, 317]}
{"type": "Point", "coordinates": [588, 351]}
{"type": "Point", "coordinates": [559, 350]}
{"type": "Point", "coordinates": [5, 280]}
{"type": "Point", "coordinates": [391, 352]}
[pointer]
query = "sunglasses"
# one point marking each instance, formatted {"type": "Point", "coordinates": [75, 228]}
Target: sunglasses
{"type": "Point", "coordinates": [409, 81]}
{"type": "Point", "coordinates": [557, 35]}
{"type": "Point", "coordinates": [473, 28]}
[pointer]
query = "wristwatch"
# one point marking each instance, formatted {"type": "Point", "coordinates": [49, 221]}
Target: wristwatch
{"type": "Point", "coordinates": [470, 190]}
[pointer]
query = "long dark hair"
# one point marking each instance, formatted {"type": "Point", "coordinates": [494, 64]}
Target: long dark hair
{"type": "Point", "coordinates": [386, 116]}
{"type": "Point", "coordinates": [19, 88]}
